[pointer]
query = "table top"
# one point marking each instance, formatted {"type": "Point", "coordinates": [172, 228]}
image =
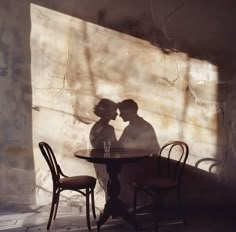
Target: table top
{"type": "Point", "coordinates": [115, 155]}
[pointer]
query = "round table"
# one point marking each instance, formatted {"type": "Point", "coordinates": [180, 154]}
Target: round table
{"type": "Point", "coordinates": [113, 160]}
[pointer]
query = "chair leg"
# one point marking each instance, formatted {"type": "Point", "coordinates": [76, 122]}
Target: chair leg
{"type": "Point", "coordinates": [180, 205]}
{"type": "Point", "coordinates": [156, 228]}
{"type": "Point", "coordinates": [156, 209]}
{"type": "Point", "coordinates": [87, 209]}
{"type": "Point", "coordinates": [57, 202]}
{"type": "Point", "coordinates": [134, 201]}
{"type": "Point", "coordinates": [93, 204]}
{"type": "Point", "coordinates": [52, 209]}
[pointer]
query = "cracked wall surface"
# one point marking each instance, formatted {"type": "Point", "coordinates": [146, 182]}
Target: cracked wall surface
{"type": "Point", "coordinates": [177, 65]}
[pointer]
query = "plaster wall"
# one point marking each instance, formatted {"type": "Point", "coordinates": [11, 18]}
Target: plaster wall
{"type": "Point", "coordinates": [171, 57]}
{"type": "Point", "coordinates": [17, 172]}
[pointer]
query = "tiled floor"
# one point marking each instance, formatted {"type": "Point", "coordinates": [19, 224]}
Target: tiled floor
{"type": "Point", "coordinates": [34, 218]}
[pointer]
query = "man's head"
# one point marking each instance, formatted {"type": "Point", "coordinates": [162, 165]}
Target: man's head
{"type": "Point", "coordinates": [128, 109]}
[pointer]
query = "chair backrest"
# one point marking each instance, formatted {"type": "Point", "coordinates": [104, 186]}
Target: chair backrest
{"type": "Point", "coordinates": [172, 159]}
{"type": "Point", "coordinates": [49, 156]}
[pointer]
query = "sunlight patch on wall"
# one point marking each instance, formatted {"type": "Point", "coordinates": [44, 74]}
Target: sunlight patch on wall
{"type": "Point", "coordinates": [75, 63]}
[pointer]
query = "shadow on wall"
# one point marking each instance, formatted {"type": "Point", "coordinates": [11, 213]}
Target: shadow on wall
{"type": "Point", "coordinates": [177, 27]}
{"type": "Point", "coordinates": [17, 172]}
{"type": "Point", "coordinates": [139, 134]}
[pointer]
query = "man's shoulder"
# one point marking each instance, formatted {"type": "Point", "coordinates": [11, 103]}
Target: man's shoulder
{"type": "Point", "coordinates": [145, 123]}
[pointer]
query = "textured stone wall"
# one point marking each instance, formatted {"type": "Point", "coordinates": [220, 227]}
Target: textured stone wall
{"type": "Point", "coordinates": [174, 58]}
{"type": "Point", "coordinates": [17, 172]}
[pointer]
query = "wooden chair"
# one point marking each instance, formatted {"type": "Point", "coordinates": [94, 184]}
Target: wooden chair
{"type": "Point", "coordinates": [82, 184]}
{"type": "Point", "coordinates": [170, 165]}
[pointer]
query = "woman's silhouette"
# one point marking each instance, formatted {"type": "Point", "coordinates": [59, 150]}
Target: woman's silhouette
{"type": "Point", "coordinates": [101, 130]}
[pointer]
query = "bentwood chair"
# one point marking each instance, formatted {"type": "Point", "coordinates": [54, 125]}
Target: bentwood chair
{"type": "Point", "coordinates": [82, 184]}
{"type": "Point", "coordinates": [170, 165]}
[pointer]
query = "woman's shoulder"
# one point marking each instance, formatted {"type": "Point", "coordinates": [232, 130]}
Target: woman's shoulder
{"type": "Point", "coordinates": [101, 128]}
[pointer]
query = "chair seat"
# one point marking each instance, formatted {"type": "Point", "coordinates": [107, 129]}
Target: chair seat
{"type": "Point", "coordinates": [157, 182]}
{"type": "Point", "coordinates": [77, 182]}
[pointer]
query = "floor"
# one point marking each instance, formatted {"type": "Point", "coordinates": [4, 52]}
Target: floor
{"type": "Point", "coordinates": [25, 218]}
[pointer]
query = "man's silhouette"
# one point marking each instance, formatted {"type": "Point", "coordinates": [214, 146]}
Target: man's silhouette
{"type": "Point", "coordinates": [139, 134]}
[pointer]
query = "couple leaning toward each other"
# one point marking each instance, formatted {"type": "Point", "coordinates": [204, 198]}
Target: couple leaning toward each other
{"type": "Point", "coordinates": [139, 134]}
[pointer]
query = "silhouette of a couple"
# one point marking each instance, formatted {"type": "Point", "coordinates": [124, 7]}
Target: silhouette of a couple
{"type": "Point", "coordinates": [139, 134]}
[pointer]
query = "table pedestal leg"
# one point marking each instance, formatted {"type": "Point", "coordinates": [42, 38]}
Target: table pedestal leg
{"type": "Point", "coordinates": [114, 207]}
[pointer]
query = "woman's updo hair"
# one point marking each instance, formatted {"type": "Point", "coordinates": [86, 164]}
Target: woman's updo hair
{"type": "Point", "coordinates": [103, 106]}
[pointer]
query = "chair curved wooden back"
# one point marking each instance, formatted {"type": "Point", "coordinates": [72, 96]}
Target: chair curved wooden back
{"type": "Point", "coordinates": [172, 159]}
{"type": "Point", "coordinates": [82, 184]}
{"type": "Point", "coordinates": [50, 158]}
